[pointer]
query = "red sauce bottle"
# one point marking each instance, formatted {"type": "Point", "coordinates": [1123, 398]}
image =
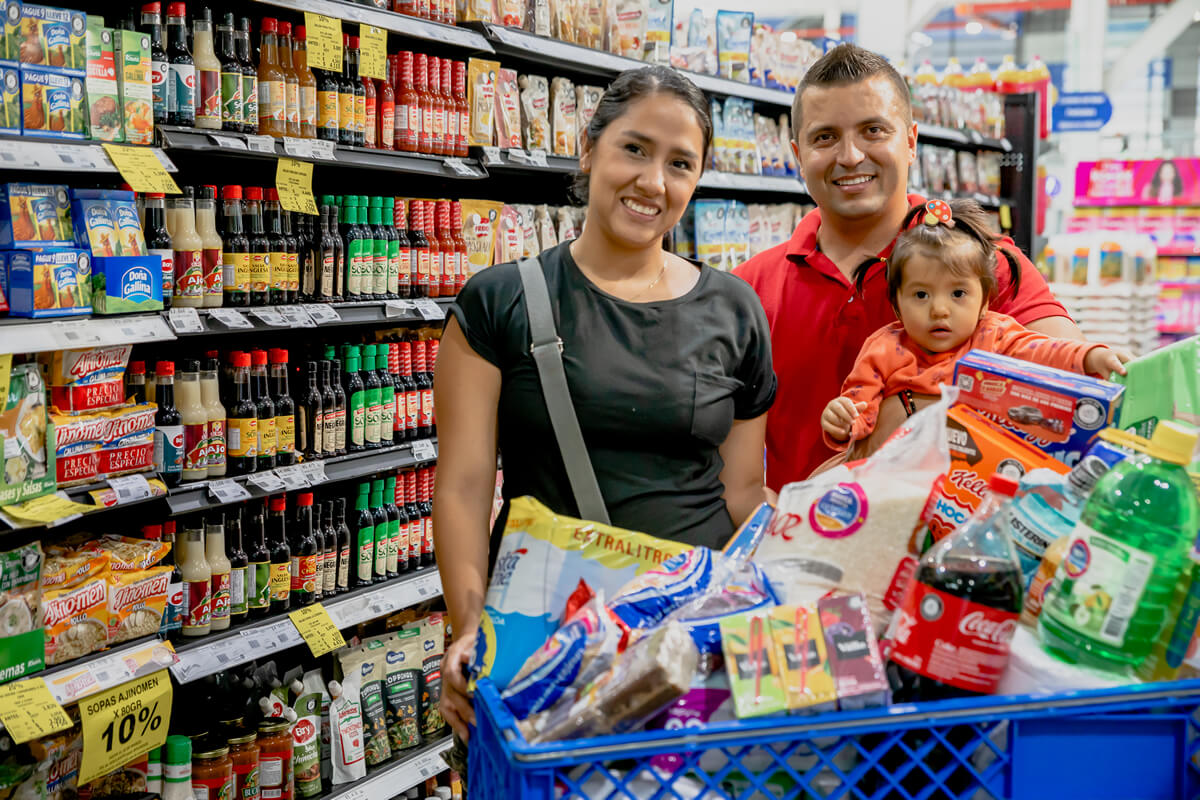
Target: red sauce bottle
{"type": "Point", "coordinates": [450, 264]}
{"type": "Point", "coordinates": [460, 246]}
{"type": "Point", "coordinates": [450, 122]}
{"type": "Point", "coordinates": [438, 103]}
{"type": "Point", "coordinates": [437, 265]}
{"type": "Point", "coordinates": [464, 109]}
{"type": "Point", "coordinates": [408, 106]}
{"type": "Point", "coordinates": [421, 84]}
{"type": "Point", "coordinates": [420, 248]}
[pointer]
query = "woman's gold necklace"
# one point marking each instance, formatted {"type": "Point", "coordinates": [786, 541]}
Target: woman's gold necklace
{"type": "Point", "coordinates": [654, 282]}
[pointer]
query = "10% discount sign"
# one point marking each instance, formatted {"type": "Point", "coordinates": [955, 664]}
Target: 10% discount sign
{"type": "Point", "coordinates": [124, 723]}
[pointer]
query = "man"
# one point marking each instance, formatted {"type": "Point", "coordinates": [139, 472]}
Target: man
{"type": "Point", "coordinates": [854, 141]}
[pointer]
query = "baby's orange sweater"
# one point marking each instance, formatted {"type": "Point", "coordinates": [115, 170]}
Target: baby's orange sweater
{"type": "Point", "coordinates": [890, 362]}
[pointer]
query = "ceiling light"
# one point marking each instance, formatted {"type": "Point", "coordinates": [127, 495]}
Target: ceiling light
{"type": "Point", "coordinates": [973, 28]}
{"type": "Point", "coordinates": [1196, 17]}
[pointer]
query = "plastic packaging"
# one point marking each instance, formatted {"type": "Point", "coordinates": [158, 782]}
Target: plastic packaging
{"type": "Point", "coordinates": [346, 725]}
{"type": "Point", "coordinates": [535, 111]}
{"type": "Point", "coordinates": [563, 119]}
{"type": "Point", "coordinates": [627, 28]}
{"type": "Point", "coordinates": [507, 109]}
{"type": "Point", "coordinates": [734, 30]}
{"type": "Point", "coordinates": [403, 689]}
{"type": "Point", "coordinates": [660, 23]}
{"type": "Point", "coordinates": [481, 96]}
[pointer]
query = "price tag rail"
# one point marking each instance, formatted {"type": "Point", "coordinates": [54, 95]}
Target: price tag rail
{"type": "Point", "coordinates": [408, 769]}
{"type": "Point", "coordinates": [36, 154]}
{"type": "Point", "coordinates": [413, 27]}
{"type": "Point", "coordinates": [19, 335]}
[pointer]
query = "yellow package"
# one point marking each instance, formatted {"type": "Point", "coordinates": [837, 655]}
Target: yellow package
{"type": "Point", "coordinates": [65, 567]}
{"type": "Point", "coordinates": [133, 555]}
{"type": "Point", "coordinates": [542, 560]}
{"type": "Point", "coordinates": [563, 117]}
{"type": "Point", "coordinates": [480, 219]}
{"type": "Point", "coordinates": [481, 97]}
{"type": "Point", "coordinates": [136, 601]}
{"type": "Point", "coordinates": [799, 643]}
{"type": "Point", "coordinates": [76, 620]}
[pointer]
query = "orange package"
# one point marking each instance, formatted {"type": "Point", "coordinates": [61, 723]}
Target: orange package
{"type": "Point", "coordinates": [136, 601]}
{"type": "Point", "coordinates": [76, 620]}
{"type": "Point", "coordinates": [978, 449]}
{"type": "Point", "coordinates": [132, 555]}
{"type": "Point", "coordinates": [66, 567]}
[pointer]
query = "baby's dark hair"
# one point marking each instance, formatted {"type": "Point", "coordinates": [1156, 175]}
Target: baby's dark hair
{"type": "Point", "coordinates": [945, 243]}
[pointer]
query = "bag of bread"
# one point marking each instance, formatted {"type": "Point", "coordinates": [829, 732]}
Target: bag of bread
{"type": "Point", "coordinates": [563, 117]}
{"type": "Point", "coordinates": [136, 601]}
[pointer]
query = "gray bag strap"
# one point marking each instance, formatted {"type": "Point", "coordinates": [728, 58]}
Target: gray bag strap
{"type": "Point", "coordinates": [547, 350]}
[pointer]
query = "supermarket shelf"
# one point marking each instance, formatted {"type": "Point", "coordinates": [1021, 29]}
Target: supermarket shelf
{"type": "Point", "coordinates": [928, 133]}
{"type": "Point", "coordinates": [390, 21]}
{"type": "Point", "coordinates": [60, 155]}
{"type": "Point", "coordinates": [206, 322]}
{"type": "Point", "coordinates": [756, 184]}
{"type": "Point", "coordinates": [240, 145]}
{"type": "Point", "coordinates": [394, 778]}
{"type": "Point", "coordinates": [98, 672]}
{"type": "Point", "coordinates": [19, 335]}
{"type": "Point", "coordinates": [199, 658]}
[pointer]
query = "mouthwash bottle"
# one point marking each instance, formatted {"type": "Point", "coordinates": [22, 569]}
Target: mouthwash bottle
{"type": "Point", "coordinates": [1116, 589]}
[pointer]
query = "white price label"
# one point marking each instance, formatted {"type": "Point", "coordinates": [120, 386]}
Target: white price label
{"type": "Point", "coordinates": [261, 144]}
{"type": "Point", "coordinates": [228, 491]}
{"type": "Point", "coordinates": [537, 158]}
{"type": "Point", "coordinates": [459, 168]}
{"type": "Point", "coordinates": [298, 148]}
{"type": "Point", "coordinates": [267, 482]}
{"type": "Point", "coordinates": [313, 472]}
{"type": "Point", "coordinates": [322, 149]}
{"type": "Point", "coordinates": [398, 308]}
{"type": "Point", "coordinates": [18, 155]}
{"type": "Point", "coordinates": [228, 142]}
{"type": "Point", "coordinates": [491, 155]}
{"type": "Point", "coordinates": [423, 450]}
{"type": "Point", "coordinates": [130, 488]}
{"type": "Point", "coordinates": [230, 318]}
{"type": "Point", "coordinates": [268, 316]}
{"type": "Point", "coordinates": [296, 317]}
{"type": "Point", "coordinates": [428, 309]}
{"type": "Point", "coordinates": [518, 155]}
{"type": "Point", "coordinates": [185, 320]}
{"type": "Point", "coordinates": [79, 333]}
{"type": "Point", "coordinates": [292, 477]}
{"type": "Point", "coordinates": [322, 313]}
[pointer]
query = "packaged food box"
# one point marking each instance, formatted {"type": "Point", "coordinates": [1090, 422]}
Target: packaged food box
{"type": "Point", "coordinates": [35, 215]}
{"type": "Point", "coordinates": [854, 658]}
{"type": "Point", "coordinates": [21, 640]}
{"type": "Point", "coordinates": [127, 284]}
{"type": "Point", "coordinates": [77, 442]}
{"type": "Point", "coordinates": [52, 103]}
{"type": "Point", "coordinates": [10, 100]}
{"type": "Point", "coordinates": [803, 658]}
{"type": "Point", "coordinates": [24, 434]}
{"type": "Point", "coordinates": [10, 37]}
{"type": "Point", "coordinates": [1059, 412]}
{"type": "Point", "coordinates": [979, 448]}
{"type": "Point", "coordinates": [106, 222]}
{"type": "Point", "coordinates": [53, 38]}
{"type": "Point", "coordinates": [88, 380]}
{"type": "Point", "coordinates": [1162, 385]}
{"type": "Point", "coordinates": [129, 442]}
{"type": "Point", "coordinates": [752, 663]}
{"type": "Point", "coordinates": [105, 123]}
{"type": "Point", "coordinates": [134, 84]}
{"type": "Point", "coordinates": [49, 283]}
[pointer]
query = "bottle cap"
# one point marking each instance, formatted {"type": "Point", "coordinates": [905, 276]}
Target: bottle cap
{"type": "Point", "coordinates": [1086, 473]}
{"type": "Point", "coordinates": [345, 40]}
{"type": "Point", "coordinates": [179, 748]}
{"type": "Point", "coordinates": [152, 531]}
{"type": "Point", "coordinates": [155, 196]}
{"type": "Point", "coordinates": [177, 10]}
{"type": "Point", "coordinates": [137, 367]}
{"type": "Point", "coordinates": [300, 34]}
{"type": "Point", "coordinates": [353, 42]}
{"type": "Point", "coordinates": [304, 499]}
{"type": "Point", "coordinates": [285, 29]}
{"type": "Point", "coordinates": [272, 195]}
{"type": "Point", "coordinates": [279, 503]}
{"type": "Point", "coordinates": [1002, 485]}
{"type": "Point", "coordinates": [152, 8]}
{"type": "Point", "coordinates": [269, 25]}
{"type": "Point", "coordinates": [279, 355]}
{"type": "Point", "coordinates": [1173, 442]}
{"type": "Point", "coordinates": [254, 193]}
{"type": "Point", "coordinates": [169, 527]}
{"type": "Point", "coordinates": [241, 359]}
{"type": "Point", "coordinates": [164, 368]}
{"type": "Point", "coordinates": [232, 192]}
{"type": "Point", "coordinates": [191, 365]}
{"type": "Point", "coordinates": [211, 354]}
{"type": "Point", "coordinates": [258, 358]}
{"type": "Point", "coordinates": [377, 485]}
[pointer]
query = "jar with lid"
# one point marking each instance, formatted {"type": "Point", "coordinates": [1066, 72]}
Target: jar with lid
{"type": "Point", "coordinates": [275, 759]}
{"type": "Point", "coordinates": [212, 771]}
{"type": "Point", "coordinates": [243, 752]}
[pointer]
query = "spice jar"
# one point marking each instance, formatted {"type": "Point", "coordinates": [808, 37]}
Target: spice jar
{"type": "Point", "coordinates": [243, 751]}
{"type": "Point", "coordinates": [275, 759]}
{"type": "Point", "coordinates": [212, 772]}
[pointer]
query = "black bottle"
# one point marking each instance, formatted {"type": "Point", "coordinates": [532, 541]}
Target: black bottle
{"type": "Point", "coordinates": [168, 427]}
{"type": "Point", "coordinates": [393, 516]}
{"type": "Point", "coordinates": [181, 71]}
{"type": "Point", "coordinates": [364, 539]}
{"type": "Point", "coordinates": [346, 87]}
{"type": "Point", "coordinates": [339, 257]}
{"type": "Point", "coordinates": [329, 404]}
{"type": "Point", "coordinates": [285, 409]}
{"type": "Point", "coordinates": [381, 527]}
{"type": "Point", "coordinates": [232, 113]}
{"type": "Point", "coordinates": [328, 539]}
{"type": "Point", "coordinates": [159, 71]}
{"type": "Point", "coordinates": [345, 557]}
{"type": "Point", "coordinates": [258, 577]}
{"type": "Point", "coordinates": [239, 567]}
{"type": "Point", "coordinates": [281, 556]}
{"type": "Point", "coordinates": [278, 293]}
{"type": "Point", "coordinates": [241, 46]}
{"type": "Point", "coordinates": [312, 416]}
{"type": "Point", "coordinates": [292, 239]}
{"type": "Point", "coordinates": [305, 553]}
{"type": "Point", "coordinates": [265, 409]}
{"type": "Point", "coordinates": [397, 500]}
{"type": "Point", "coordinates": [260, 247]}
{"type": "Point", "coordinates": [241, 426]}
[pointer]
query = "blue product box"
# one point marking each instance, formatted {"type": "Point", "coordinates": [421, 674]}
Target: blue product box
{"type": "Point", "coordinates": [53, 38]}
{"type": "Point", "coordinates": [49, 283]}
{"type": "Point", "coordinates": [52, 103]}
{"type": "Point", "coordinates": [10, 36]}
{"type": "Point", "coordinates": [10, 100]}
{"type": "Point", "coordinates": [126, 284]}
{"type": "Point", "coordinates": [1059, 412]}
{"type": "Point", "coordinates": [35, 215]}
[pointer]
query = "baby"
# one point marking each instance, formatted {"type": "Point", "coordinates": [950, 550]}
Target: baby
{"type": "Point", "coordinates": [941, 276]}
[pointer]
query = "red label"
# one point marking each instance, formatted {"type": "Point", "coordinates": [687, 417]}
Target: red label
{"type": "Point", "coordinates": [77, 467]}
{"type": "Point", "coordinates": [195, 441]}
{"type": "Point", "coordinates": [220, 596]}
{"type": "Point", "coordinates": [894, 595]}
{"type": "Point", "coordinates": [130, 458]}
{"type": "Point", "coordinates": [412, 401]}
{"type": "Point", "coordinates": [216, 443]}
{"type": "Point", "coordinates": [1035, 410]}
{"type": "Point", "coordinates": [210, 260]}
{"type": "Point", "coordinates": [426, 408]}
{"type": "Point", "coordinates": [427, 544]}
{"type": "Point", "coordinates": [416, 540]}
{"type": "Point", "coordinates": [88, 398]}
{"type": "Point", "coordinates": [197, 605]}
{"type": "Point", "coordinates": [952, 640]}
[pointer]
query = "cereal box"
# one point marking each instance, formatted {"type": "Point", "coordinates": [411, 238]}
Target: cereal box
{"type": "Point", "coordinates": [50, 283]}
{"type": "Point", "coordinates": [133, 81]}
{"type": "Point", "coordinates": [76, 620]}
{"type": "Point", "coordinates": [105, 122]}
{"type": "Point", "coordinates": [77, 443]}
{"type": "Point", "coordinates": [10, 100]}
{"type": "Point", "coordinates": [803, 658]}
{"type": "Point", "coordinates": [10, 37]}
{"type": "Point", "coordinates": [35, 215]}
{"type": "Point", "coordinates": [52, 104]}
{"type": "Point", "coordinates": [24, 433]}
{"type": "Point", "coordinates": [106, 222]}
{"type": "Point", "coordinates": [129, 444]}
{"type": "Point", "coordinates": [1059, 412]}
{"type": "Point", "coordinates": [85, 381]}
{"type": "Point", "coordinates": [854, 657]}
{"type": "Point", "coordinates": [53, 38]}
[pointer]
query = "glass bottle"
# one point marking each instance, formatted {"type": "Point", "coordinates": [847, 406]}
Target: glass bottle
{"type": "Point", "coordinates": [135, 381]}
{"type": "Point", "coordinates": [425, 476]}
{"type": "Point", "coordinates": [416, 525]}
{"type": "Point", "coordinates": [265, 410]}
{"type": "Point", "coordinates": [403, 248]}
{"type": "Point", "coordinates": [285, 409]}
{"type": "Point", "coordinates": [339, 404]}
{"type": "Point", "coordinates": [159, 69]}
{"type": "Point", "coordinates": [385, 133]}
{"type": "Point", "coordinates": [312, 416]}
{"type": "Point", "coordinates": [450, 124]}
{"type": "Point", "coordinates": [320, 560]}
{"type": "Point", "coordinates": [437, 102]}
{"type": "Point", "coordinates": [346, 98]}
{"type": "Point", "coordinates": [402, 546]}
{"type": "Point", "coordinates": [158, 242]}
{"type": "Point", "coordinates": [408, 106]}
{"type": "Point", "coordinates": [258, 578]}
{"type": "Point", "coordinates": [346, 554]}
{"type": "Point", "coordinates": [239, 567]}
{"type": "Point", "coordinates": [181, 78]}
{"type": "Point", "coordinates": [437, 260]}
{"type": "Point", "coordinates": [392, 514]}
{"type": "Point", "coordinates": [450, 255]}
{"type": "Point", "coordinates": [399, 412]}
{"type": "Point", "coordinates": [232, 101]}
{"type": "Point", "coordinates": [211, 254]}
{"type": "Point", "coordinates": [210, 396]}
{"type": "Point", "coordinates": [220, 567]}
{"type": "Point", "coordinates": [328, 105]}
{"type": "Point", "coordinates": [241, 428]}
{"type": "Point", "coordinates": [208, 73]}
{"type": "Point", "coordinates": [291, 241]}
{"type": "Point", "coordinates": [372, 397]}
{"type": "Point", "coordinates": [195, 422]}
{"type": "Point", "coordinates": [308, 85]}
{"type": "Point", "coordinates": [354, 249]}
{"type": "Point", "coordinates": [379, 254]}
{"type": "Point", "coordinates": [281, 556]}
{"type": "Point", "coordinates": [425, 136]}
{"type": "Point", "coordinates": [339, 247]}
{"type": "Point", "coordinates": [323, 260]}
{"type": "Point", "coordinates": [382, 542]}
{"type": "Point", "coordinates": [356, 408]}
{"type": "Point", "coordinates": [291, 82]}
{"type": "Point", "coordinates": [241, 46]}
{"type": "Point", "coordinates": [387, 395]}
{"type": "Point", "coordinates": [412, 394]}
{"type": "Point", "coordinates": [329, 405]}
{"type": "Point", "coordinates": [272, 83]}
{"type": "Point", "coordinates": [360, 94]}
{"type": "Point", "coordinates": [277, 255]}
{"type": "Point", "coordinates": [172, 612]}
{"type": "Point", "coordinates": [260, 248]}
{"type": "Point", "coordinates": [196, 610]}
{"type": "Point", "coordinates": [464, 109]}
{"type": "Point", "coordinates": [370, 106]}
{"type": "Point", "coordinates": [188, 249]}
{"type": "Point", "coordinates": [303, 553]}
{"type": "Point", "coordinates": [332, 549]}
{"type": "Point", "coordinates": [168, 427]}
{"type": "Point", "coordinates": [235, 250]}
{"type": "Point", "coordinates": [364, 538]}
{"type": "Point", "coordinates": [424, 379]}
{"type": "Point", "coordinates": [460, 246]}
{"type": "Point", "coordinates": [420, 248]}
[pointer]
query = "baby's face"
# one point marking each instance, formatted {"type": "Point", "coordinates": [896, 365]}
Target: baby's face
{"type": "Point", "coordinates": [939, 308]}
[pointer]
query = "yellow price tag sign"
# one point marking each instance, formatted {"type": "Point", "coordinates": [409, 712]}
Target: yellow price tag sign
{"type": "Point", "coordinates": [29, 711]}
{"type": "Point", "coordinates": [372, 52]}
{"type": "Point", "coordinates": [293, 181]}
{"type": "Point", "coordinates": [318, 630]}
{"type": "Point", "coordinates": [123, 723]}
{"type": "Point", "coordinates": [324, 41]}
{"type": "Point", "coordinates": [46, 509]}
{"type": "Point", "coordinates": [1005, 217]}
{"type": "Point", "coordinates": [140, 168]}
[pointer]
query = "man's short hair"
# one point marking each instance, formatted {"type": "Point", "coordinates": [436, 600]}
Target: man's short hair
{"type": "Point", "coordinates": [844, 65]}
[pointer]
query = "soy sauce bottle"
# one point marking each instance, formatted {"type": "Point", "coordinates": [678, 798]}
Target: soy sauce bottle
{"type": "Point", "coordinates": [258, 576]}
{"type": "Point", "coordinates": [241, 426]}
{"type": "Point", "coordinates": [281, 556]}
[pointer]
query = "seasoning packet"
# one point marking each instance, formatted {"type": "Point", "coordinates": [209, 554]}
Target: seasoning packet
{"type": "Point", "coordinates": [76, 620]}
{"type": "Point", "coordinates": [52, 103]}
{"type": "Point", "coordinates": [587, 100]}
{"type": "Point", "coordinates": [507, 109]}
{"type": "Point", "coordinates": [35, 215]}
{"type": "Point", "coordinates": [306, 739]}
{"type": "Point", "coordinates": [510, 237]}
{"type": "Point", "coordinates": [104, 109]}
{"type": "Point", "coordinates": [734, 30]}
{"type": "Point", "coordinates": [28, 466]}
{"type": "Point", "coordinates": [563, 117]}
{"type": "Point", "coordinates": [535, 111]}
{"type": "Point", "coordinates": [346, 733]}
{"type": "Point", "coordinates": [52, 37]}
{"type": "Point", "coordinates": [403, 689]}
{"type": "Point", "coordinates": [136, 601]}
{"type": "Point", "coordinates": [365, 669]}
{"type": "Point", "coordinates": [129, 443]}
{"type": "Point", "coordinates": [803, 659]}
{"type": "Point", "coordinates": [21, 640]}
{"type": "Point", "coordinates": [752, 663]}
{"type": "Point", "coordinates": [627, 28]}
{"type": "Point", "coordinates": [480, 218]}
{"type": "Point", "coordinates": [512, 13]}
{"type": "Point", "coordinates": [313, 684]}
{"type": "Point", "coordinates": [77, 442]}
{"type": "Point", "coordinates": [481, 96]}
{"type": "Point", "coordinates": [433, 646]}
{"type": "Point", "coordinates": [84, 381]}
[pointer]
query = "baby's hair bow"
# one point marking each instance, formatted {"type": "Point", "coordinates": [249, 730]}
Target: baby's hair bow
{"type": "Point", "coordinates": [938, 211]}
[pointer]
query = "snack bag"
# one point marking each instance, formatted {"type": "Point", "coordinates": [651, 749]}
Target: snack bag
{"type": "Point", "coordinates": [481, 95]}
{"type": "Point", "coordinates": [132, 555]}
{"type": "Point", "coordinates": [403, 689]}
{"type": "Point", "coordinates": [433, 647]}
{"type": "Point", "coordinates": [84, 381]}
{"type": "Point", "coordinates": [563, 119]}
{"type": "Point", "coordinates": [480, 220]}
{"type": "Point", "coordinates": [76, 620]}
{"type": "Point", "coordinates": [77, 442]}
{"type": "Point", "coordinates": [535, 111]}
{"type": "Point", "coordinates": [136, 601]}
{"type": "Point", "coordinates": [507, 110]}
{"type": "Point", "coordinates": [542, 559]}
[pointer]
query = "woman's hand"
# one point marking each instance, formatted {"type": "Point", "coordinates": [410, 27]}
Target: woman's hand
{"type": "Point", "coordinates": [839, 416]}
{"type": "Point", "coordinates": [1104, 361]}
{"type": "Point", "coordinates": [456, 705]}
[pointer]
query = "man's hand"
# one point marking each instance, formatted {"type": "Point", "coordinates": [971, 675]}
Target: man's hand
{"type": "Point", "coordinates": [839, 416]}
{"type": "Point", "coordinates": [456, 705]}
{"type": "Point", "coordinates": [1104, 361]}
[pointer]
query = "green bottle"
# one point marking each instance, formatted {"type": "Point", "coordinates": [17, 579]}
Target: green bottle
{"type": "Point", "coordinates": [373, 399]}
{"type": "Point", "coordinates": [388, 223]}
{"type": "Point", "coordinates": [382, 534]}
{"type": "Point", "coordinates": [356, 397]}
{"type": "Point", "coordinates": [393, 517]}
{"type": "Point", "coordinates": [379, 265]}
{"type": "Point", "coordinates": [1115, 591]}
{"type": "Point", "coordinates": [364, 541]}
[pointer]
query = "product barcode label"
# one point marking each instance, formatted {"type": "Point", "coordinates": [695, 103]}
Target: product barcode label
{"type": "Point", "coordinates": [261, 144]}
{"type": "Point", "coordinates": [130, 488]}
{"type": "Point", "coordinates": [185, 320]}
{"type": "Point", "coordinates": [313, 472]}
{"type": "Point", "coordinates": [292, 477]}
{"type": "Point", "coordinates": [397, 308]}
{"type": "Point", "coordinates": [322, 149]}
{"type": "Point", "coordinates": [230, 318]}
{"type": "Point", "coordinates": [1125, 604]}
{"type": "Point", "coordinates": [267, 482]}
{"type": "Point", "coordinates": [80, 333]}
{"type": "Point", "coordinates": [537, 158]}
{"type": "Point", "coordinates": [299, 148]}
{"type": "Point", "coordinates": [322, 313]}
{"type": "Point", "coordinates": [458, 167]}
{"type": "Point", "coordinates": [268, 316]}
{"type": "Point", "coordinates": [429, 309]}
{"type": "Point", "coordinates": [491, 155]}
{"type": "Point", "coordinates": [296, 317]}
{"type": "Point", "coordinates": [423, 450]}
{"type": "Point", "coordinates": [228, 491]}
{"type": "Point", "coordinates": [228, 142]}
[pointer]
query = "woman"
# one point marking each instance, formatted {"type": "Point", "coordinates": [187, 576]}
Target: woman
{"type": "Point", "coordinates": [669, 364]}
{"type": "Point", "coordinates": [1166, 186]}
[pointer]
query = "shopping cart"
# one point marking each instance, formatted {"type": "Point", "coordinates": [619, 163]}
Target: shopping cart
{"type": "Point", "coordinates": [1129, 742]}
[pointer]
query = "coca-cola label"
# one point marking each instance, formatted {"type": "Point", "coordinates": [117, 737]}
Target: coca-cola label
{"type": "Point", "coordinates": [951, 639]}
{"type": "Point", "coordinates": [839, 512]}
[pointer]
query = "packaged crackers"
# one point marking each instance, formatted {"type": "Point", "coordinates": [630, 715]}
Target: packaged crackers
{"type": "Point", "coordinates": [129, 442]}
{"type": "Point", "coordinates": [77, 442]}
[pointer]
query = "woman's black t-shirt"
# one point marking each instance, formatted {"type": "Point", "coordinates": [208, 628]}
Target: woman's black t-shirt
{"type": "Point", "coordinates": [656, 387]}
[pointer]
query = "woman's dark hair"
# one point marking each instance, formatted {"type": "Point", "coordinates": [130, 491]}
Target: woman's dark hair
{"type": "Point", "coordinates": [1156, 181]}
{"type": "Point", "coordinates": [633, 85]}
{"type": "Point", "coordinates": [977, 259]}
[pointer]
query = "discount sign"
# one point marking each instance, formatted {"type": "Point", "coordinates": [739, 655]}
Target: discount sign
{"type": "Point", "coordinates": [123, 723]}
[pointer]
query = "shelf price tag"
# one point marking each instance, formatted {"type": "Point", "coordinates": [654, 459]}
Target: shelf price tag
{"type": "Point", "coordinates": [141, 169]}
{"type": "Point", "coordinates": [423, 450]}
{"type": "Point", "coordinates": [123, 723]}
{"type": "Point", "coordinates": [322, 313]}
{"type": "Point", "coordinates": [537, 158]}
{"type": "Point", "coordinates": [292, 477]}
{"type": "Point", "coordinates": [397, 308]}
{"type": "Point", "coordinates": [268, 316]}
{"type": "Point", "coordinates": [299, 148]}
{"type": "Point", "coordinates": [185, 320]}
{"type": "Point", "coordinates": [491, 155]}
{"type": "Point", "coordinates": [230, 318]}
{"type": "Point", "coordinates": [459, 168]}
{"type": "Point", "coordinates": [267, 482]}
{"type": "Point", "coordinates": [228, 491]}
{"type": "Point", "coordinates": [1005, 217]}
{"type": "Point", "coordinates": [296, 317]}
{"type": "Point", "coordinates": [324, 41]}
{"type": "Point", "coordinates": [428, 309]}
{"type": "Point", "coordinates": [293, 179]}
{"type": "Point", "coordinates": [130, 488]}
{"type": "Point", "coordinates": [372, 52]}
{"type": "Point", "coordinates": [261, 144]}
{"type": "Point", "coordinates": [313, 472]}
{"type": "Point", "coordinates": [29, 711]}
{"type": "Point", "coordinates": [322, 148]}
{"type": "Point", "coordinates": [318, 630]}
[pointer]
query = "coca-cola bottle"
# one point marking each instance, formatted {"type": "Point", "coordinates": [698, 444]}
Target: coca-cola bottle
{"type": "Point", "coordinates": [952, 632]}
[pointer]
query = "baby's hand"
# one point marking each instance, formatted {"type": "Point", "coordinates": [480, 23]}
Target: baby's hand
{"type": "Point", "coordinates": [1103, 361]}
{"type": "Point", "coordinates": [839, 417]}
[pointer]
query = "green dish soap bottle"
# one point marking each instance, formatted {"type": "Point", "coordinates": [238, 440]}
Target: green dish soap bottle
{"type": "Point", "coordinates": [1116, 587]}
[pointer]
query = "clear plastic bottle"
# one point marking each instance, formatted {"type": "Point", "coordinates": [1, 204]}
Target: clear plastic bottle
{"type": "Point", "coordinates": [208, 73]}
{"type": "Point", "coordinates": [211, 253]}
{"type": "Point", "coordinates": [195, 422]}
{"type": "Point", "coordinates": [188, 249]}
{"type": "Point", "coordinates": [210, 396]}
{"type": "Point", "coordinates": [219, 566]}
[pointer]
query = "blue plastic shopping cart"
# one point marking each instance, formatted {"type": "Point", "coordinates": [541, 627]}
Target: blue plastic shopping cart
{"type": "Point", "coordinates": [1132, 742]}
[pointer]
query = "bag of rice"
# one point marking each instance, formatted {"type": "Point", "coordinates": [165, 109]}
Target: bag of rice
{"type": "Point", "coordinates": [848, 530]}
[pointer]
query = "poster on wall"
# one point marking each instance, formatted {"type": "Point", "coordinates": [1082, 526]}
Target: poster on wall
{"type": "Point", "coordinates": [1153, 182]}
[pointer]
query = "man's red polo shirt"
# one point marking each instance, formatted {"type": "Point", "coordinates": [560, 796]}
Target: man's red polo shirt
{"type": "Point", "coordinates": [818, 325]}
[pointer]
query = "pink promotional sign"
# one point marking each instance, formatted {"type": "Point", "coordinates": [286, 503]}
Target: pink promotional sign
{"type": "Point", "coordinates": [1155, 182]}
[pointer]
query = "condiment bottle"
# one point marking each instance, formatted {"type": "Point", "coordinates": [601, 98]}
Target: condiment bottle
{"type": "Point", "coordinates": [291, 81]}
{"type": "Point", "coordinates": [265, 409]}
{"type": "Point", "coordinates": [387, 223]}
{"type": "Point", "coordinates": [195, 423]}
{"type": "Point", "coordinates": [450, 124]}
{"type": "Point", "coordinates": [168, 427]}
{"type": "Point", "coordinates": [402, 546]}
{"type": "Point", "coordinates": [321, 557]}
{"type": "Point", "coordinates": [154, 772]}
{"type": "Point", "coordinates": [308, 85]}
{"type": "Point", "coordinates": [329, 416]}
{"type": "Point", "coordinates": [421, 83]}
{"type": "Point", "coordinates": [332, 552]}
{"type": "Point", "coordinates": [197, 581]}
{"type": "Point", "coordinates": [181, 77]}
{"type": "Point", "coordinates": [277, 255]}
{"type": "Point", "coordinates": [379, 251]}
{"type": "Point", "coordinates": [416, 525]}
{"type": "Point", "coordinates": [177, 768]}
{"type": "Point", "coordinates": [424, 379]}
{"type": "Point", "coordinates": [241, 430]}
{"type": "Point", "coordinates": [281, 557]}
{"type": "Point", "coordinates": [437, 263]}
{"type": "Point", "coordinates": [232, 100]}
{"type": "Point", "coordinates": [420, 246]}
{"type": "Point", "coordinates": [260, 248]}
{"type": "Point", "coordinates": [393, 525]}
{"type": "Point", "coordinates": [382, 533]}
{"type": "Point", "coordinates": [450, 255]}
{"type": "Point", "coordinates": [399, 416]}
{"type": "Point", "coordinates": [364, 538]}
{"type": "Point", "coordinates": [400, 225]}
{"type": "Point", "coordinates": [437, 104]}
{"type": "Point", "coordinates": [272, 83]}
{"type": "Point", "coordinates": [385, 135]}
{"type": "Point", "coordinates": [135, 381]}
{"type": "Point", "coordinates": [243, 752]}
{"type": "Point", "coordinates": [258, 575]}
{"type": "Point", "coordinates": [210, 396]}
{"type": "Point", "coordinates": [371, 399]}
{"type": "Point", "coordinates": [188, 250]}
{"type": "Point", "coordinates": [219, 566]}
{"type": "Point", "coordinates": [464, 109]}
{"type": "Point", "coordinates": [312, 418]}
{"type": "Point", "coordinates": [356, 410]}
{"type": "Point", "coordinates": [275, 758]}
{"type": "Point", "coordinates": [328, 105]}
{"type": "Point", "coordinates": [370, 108]}
{"type": "Point", "coordinates": [303, 553]}
{"type": "Point", "coordinates": [346, 97]}
{"type": "Point", "coordinates": [158, 242]}
{"type": "Point", "coordinates": [211, 255]}
{"type": "Point", "coordinates": [460, 246]}
{"type": "Point", "coordinates": [387, 395]}
{"type": "Point", "coordinates": [408, 105]}
{"type": "Point", "coordinates": [208, 73]}
{"type": "Point", "coordinates": [173, 610]}
{"type": "Point", "coordinates": [159, 69]}
{"type": "Point", "coordinates": [241, 46]}
{"type": "Point", "coordinates": [235, 251]}
{"type": "Point", "coordinates": [412, 394]}
{"type": "Point", "coordinates": [212, 771]}
{"type": "Point", "coordinates": [346, 554]}
{"type": "Point", "coordinates": [238, 567]}
{"type": "Point", "coordinates": [285, 409]}
{"type": "Point", "coordinates": [360, 93]}
{"type": "Point", "coordinates": [425, 476]}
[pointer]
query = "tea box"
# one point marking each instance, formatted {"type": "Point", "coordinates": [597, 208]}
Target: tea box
{"type": "Point", "coordinates": [52, 103]}
{"type": "Point", "coordinates": [49, 283]}
{"type": "Point", "coordinates": [54, 38]}
{"type": "Point", "coordinates": [133, 80]}
{"type": "Point", "coordinates": [35, 215]}
{"type": "Point", "coordinates": [105, 123]}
